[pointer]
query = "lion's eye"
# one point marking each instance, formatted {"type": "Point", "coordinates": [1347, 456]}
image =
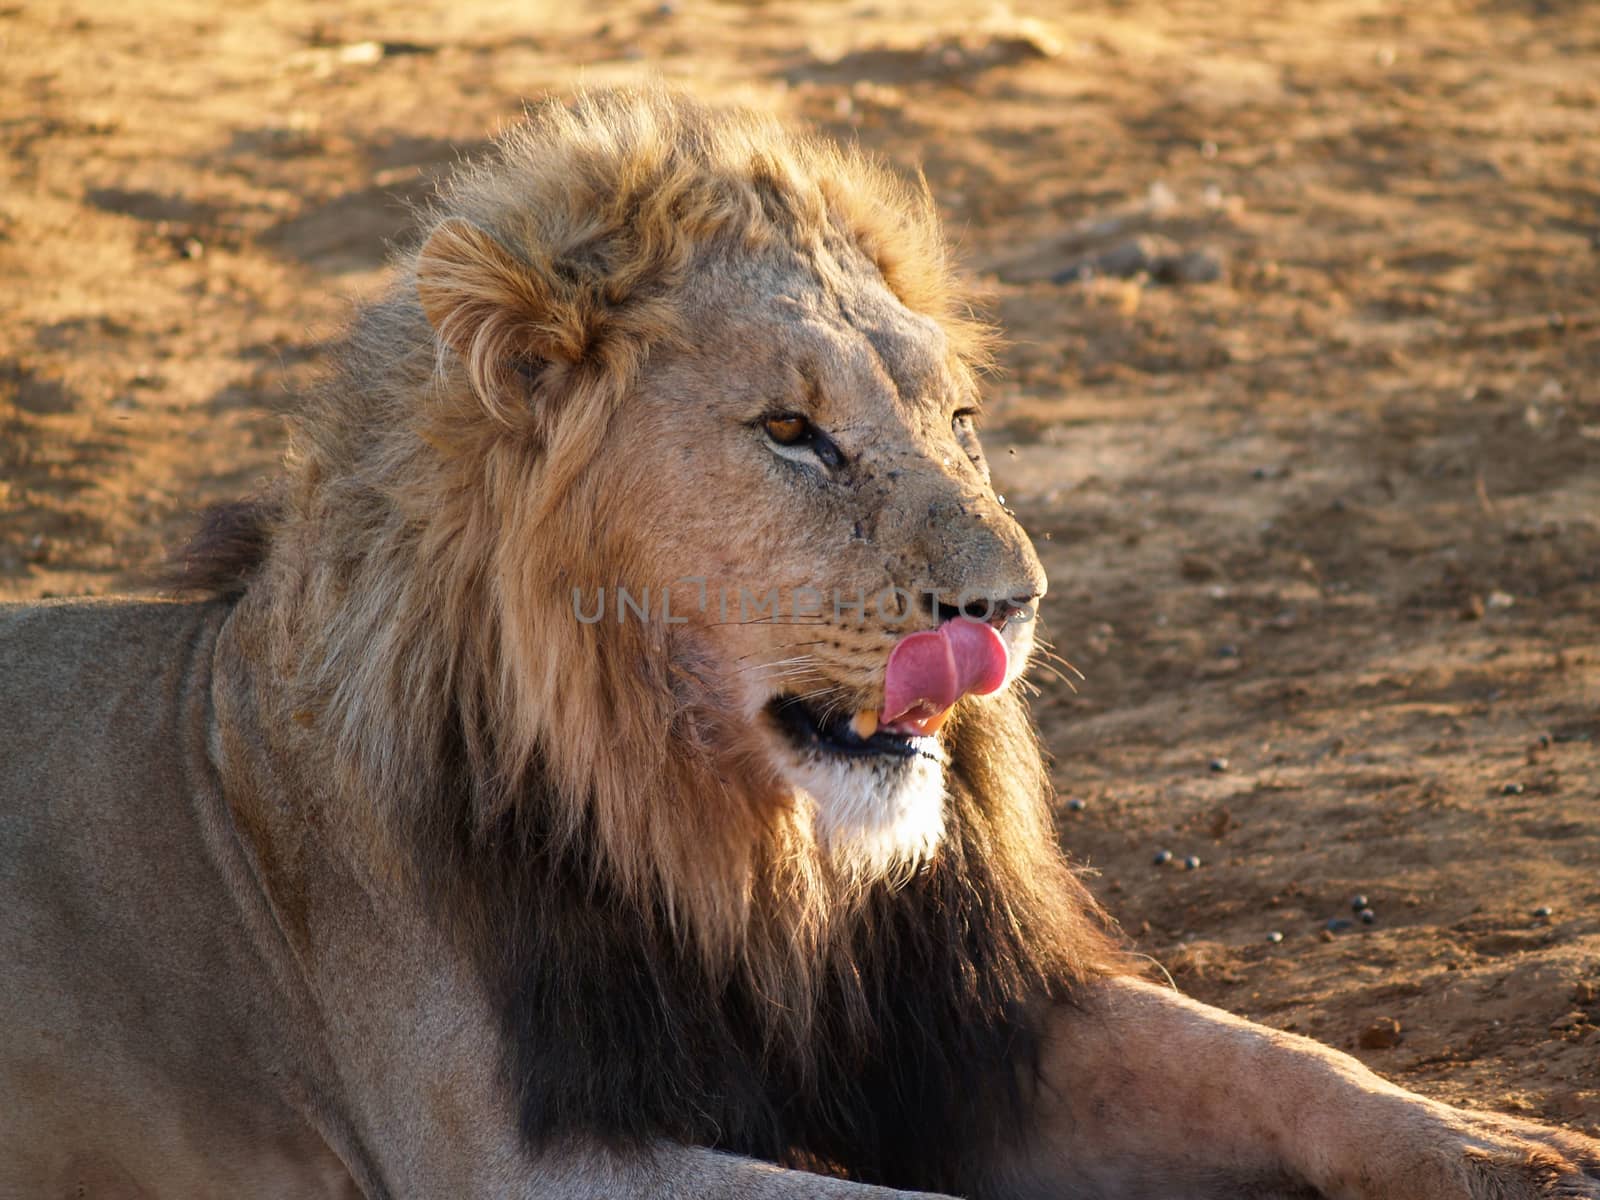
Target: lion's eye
{"type": "Point", "coordinates": [788, 430]}
{"type": "Point", "coordinates": [795, 438]}
{"type": "Point", "coordinates": [964, 424]}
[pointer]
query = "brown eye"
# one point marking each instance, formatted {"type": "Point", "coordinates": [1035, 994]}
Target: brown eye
{"type": "Point", "coordinates": [787, 430]}
{"type": "Point", "coordinates": [964, 425]}
{"type": "Point", "coordinates": [793, 433]}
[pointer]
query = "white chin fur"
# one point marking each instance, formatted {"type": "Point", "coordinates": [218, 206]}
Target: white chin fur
{"type": "Point", "coordinates": [875, 815]}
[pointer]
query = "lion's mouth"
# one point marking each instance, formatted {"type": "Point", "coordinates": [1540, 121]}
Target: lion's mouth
{"type": "Point", "coordinates": [927, 673]}
{"type": "Point", "coordinates": [809, 727]}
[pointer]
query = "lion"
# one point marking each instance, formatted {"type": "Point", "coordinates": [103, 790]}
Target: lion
{"type": "Point", "coordinates": [597, 770]}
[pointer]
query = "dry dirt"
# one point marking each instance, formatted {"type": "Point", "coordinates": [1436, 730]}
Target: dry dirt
{"type": "Point", "coordinates": [1332, 517]}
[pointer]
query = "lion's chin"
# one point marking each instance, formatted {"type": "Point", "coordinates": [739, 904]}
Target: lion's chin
{"type": "Point", "coordinates": [877, 803]}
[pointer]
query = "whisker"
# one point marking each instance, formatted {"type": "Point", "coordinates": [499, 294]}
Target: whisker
{"type": "Point", "coordinates": [1054, 657]}
{"type": "Point", "coordinates": [815, 624]}
{"type": "Point", "coordinates": [817, 694]}
{"type": "Point", "coordinates": [1046, 666]}
{"type": "Point", "coordinates": [834, 707]}
{"type": "Point", "coordinates": [786, 677]}
{"type": "Point", "coordinates": [1049, 648]}
{"type": "Point", "coordinates": [806, 660]}
{"type": "Point", "coordinates": [824, 689]}
{"type": "Point", "coordinates": [785, 646]}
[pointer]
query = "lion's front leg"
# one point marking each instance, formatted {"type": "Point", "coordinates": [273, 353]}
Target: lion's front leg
{"type": "Point", "coordinates": [667, 1171]}
{"type": "Point", "coordinates": [1148, 1093]}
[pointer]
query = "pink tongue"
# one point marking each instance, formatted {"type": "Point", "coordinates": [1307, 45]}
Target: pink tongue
{"type": "Point", "coordinates": [930, 671]}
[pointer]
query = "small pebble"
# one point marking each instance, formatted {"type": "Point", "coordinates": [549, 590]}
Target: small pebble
{"type": "Point", "coordinates": [1368, 917]}
{"type": "Point", "coordinates": [1219, 764]}
{"type": "Point", "coordinates": [1193, 266]}
{"type": "Point", "coordinates": [1191, 863]}
{"type": "Point", "coordinates": [1229, 651]}
{"type": "Point", "coordinates": [1077, 805]}
{"type": "Point", "coordinates": [1125, 260]}
{"type": "Point", "coordinates": [1544, 912]}
{"type": "Point", "coordinates": [1382, 1034]}
{"type": "Point", "coordinates": [1339, 925]}
{"type": "Point", "coordinates": [1274, 937]}
{"type": "Point", "coordinates": [1163, 857]}
{"type": "Point", "coordinates": [1511, 789]}
{"type": "Point", "coordinates": [1358, 902]}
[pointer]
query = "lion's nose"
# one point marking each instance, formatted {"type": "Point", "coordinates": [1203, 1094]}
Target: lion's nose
{"type": "Point", "coordinates": [1009, 608]}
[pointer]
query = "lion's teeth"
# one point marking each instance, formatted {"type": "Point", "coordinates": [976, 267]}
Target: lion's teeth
{"type": "Point", "coordinates": [922, 722]}
{"type": "Point", "coordinates": [864, 724]}
{"type": "Point", "coordinates": [919, 724]}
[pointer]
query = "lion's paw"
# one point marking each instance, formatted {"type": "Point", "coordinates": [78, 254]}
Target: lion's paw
{"type": "Point", "coordinates": [1505, 1159]}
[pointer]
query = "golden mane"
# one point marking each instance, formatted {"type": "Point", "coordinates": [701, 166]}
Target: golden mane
{"type": "Point", "coordinates": [422, 552]}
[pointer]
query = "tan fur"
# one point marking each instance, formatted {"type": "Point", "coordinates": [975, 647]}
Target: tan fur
{"type": "Point", "coordinates": [261, 853]}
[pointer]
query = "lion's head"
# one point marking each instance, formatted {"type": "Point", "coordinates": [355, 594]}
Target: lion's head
{"type": "Point", "coordinates": [655, 476]}
{"type": "Point", "coordinates": [748, 425]}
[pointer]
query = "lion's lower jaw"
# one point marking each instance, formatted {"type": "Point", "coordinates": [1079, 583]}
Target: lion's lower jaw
{"type": "Point", "coordinates": [875, 817]}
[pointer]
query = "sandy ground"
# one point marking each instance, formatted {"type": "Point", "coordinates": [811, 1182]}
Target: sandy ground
{"type": "Point", "coordinates": [1323, 530]}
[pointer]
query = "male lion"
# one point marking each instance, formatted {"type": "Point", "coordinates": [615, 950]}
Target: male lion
{"type": "Point", "coordinates": [383, 868]}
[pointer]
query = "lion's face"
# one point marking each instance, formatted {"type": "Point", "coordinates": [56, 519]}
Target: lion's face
{"type": "Point", "coordinates": [717, 369]}
{"type": "Point", "coordinates": [802, 485]}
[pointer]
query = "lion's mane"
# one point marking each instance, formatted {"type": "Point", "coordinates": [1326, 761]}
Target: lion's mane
{"type": "Point", "coordinates": [668, 957]}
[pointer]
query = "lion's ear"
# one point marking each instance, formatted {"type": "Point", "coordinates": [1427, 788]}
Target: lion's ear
{"type": "Point", "coordinates": [503, 317]}
{"type": "Point", "coordinates": [465, 280]}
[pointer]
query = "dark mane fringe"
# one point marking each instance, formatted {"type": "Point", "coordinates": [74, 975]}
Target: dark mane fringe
{"type": "Point", "coordinates": [920, 1051]}
{"type": "Point", "coordinates": [226, 551]}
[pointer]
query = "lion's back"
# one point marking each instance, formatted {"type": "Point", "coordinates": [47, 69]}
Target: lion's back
{"type": "Point", "coordinates": [124, 966]}
{"type": "Point", "coordinates": [92, 692]}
